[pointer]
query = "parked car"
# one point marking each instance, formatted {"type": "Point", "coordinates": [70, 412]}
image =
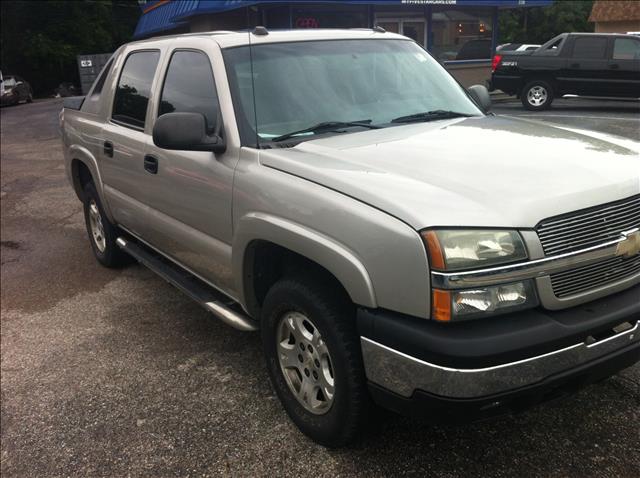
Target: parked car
{"type": "Point", "coordinates": [517, 47]}
{"type": "Point", "coordinates": [583, 64]}
{"type": "Point", "coordinates": [339, 191]}
{"type": "Point", "coordinates": [14, 90]}
{"type": "Point", "coordinates": [474, 50]}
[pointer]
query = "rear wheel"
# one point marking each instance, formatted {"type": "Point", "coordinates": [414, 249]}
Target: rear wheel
{"type": "Point", "coordinates": [314, 359]}
{"type": "Point", "coordinates": [102, 234]}
{"type": "Point", "coordinates": [537, 95]}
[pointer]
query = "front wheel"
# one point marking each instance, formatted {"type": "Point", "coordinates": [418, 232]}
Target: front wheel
{"type": "Point", "coordinates": [537, 95]}
{"type": "Point", "coordinates": [314, 359]}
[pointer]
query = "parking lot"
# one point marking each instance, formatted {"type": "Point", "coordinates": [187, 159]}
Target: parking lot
{"type": "Point", "coordinates": [116, 373]}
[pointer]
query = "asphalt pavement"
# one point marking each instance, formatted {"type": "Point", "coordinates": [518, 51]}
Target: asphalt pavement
{"type": "Point", "coordinates": [116, 373]}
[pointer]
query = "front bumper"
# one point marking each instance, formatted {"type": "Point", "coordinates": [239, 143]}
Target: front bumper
{"type": "Point", "coordinates": [480, 359]}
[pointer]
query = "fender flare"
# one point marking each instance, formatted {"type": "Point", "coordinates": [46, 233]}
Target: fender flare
{"type": "Point", "coordinates": [82, 154]}
{"type": "Point", "coordinates": [325, 251]}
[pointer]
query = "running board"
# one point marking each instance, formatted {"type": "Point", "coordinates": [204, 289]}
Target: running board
{"type": "Point", "coordinates": [209, 298]}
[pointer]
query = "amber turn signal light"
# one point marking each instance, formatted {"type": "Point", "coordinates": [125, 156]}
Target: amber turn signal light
{"type": "Point", "coordinates": [441, 305]}
{"type": "Point", "coordinates": [433, 248]}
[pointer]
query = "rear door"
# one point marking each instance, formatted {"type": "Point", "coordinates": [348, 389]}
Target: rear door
{"type": "Point", "coordinates": [588, 67]}
{"type": "Point", "coordinates": [624, 67]}
{"type": "Point", "coordinates": [124, 140]}
{"type": "Point", "coordinates": [190, 192]}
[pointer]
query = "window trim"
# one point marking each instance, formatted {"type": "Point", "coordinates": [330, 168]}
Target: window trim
{"type": "Point", "coordinates": [101, 80]}
{"type": "Point", "coordinates": [115, 93]}
{"type": "Point", "coordinates": [156, 114]}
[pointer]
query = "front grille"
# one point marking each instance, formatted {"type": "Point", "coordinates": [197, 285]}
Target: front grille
{"type": "Point", "coordinates": [589, 277]}
{"type": "Point", "coordinates": [588, 227]}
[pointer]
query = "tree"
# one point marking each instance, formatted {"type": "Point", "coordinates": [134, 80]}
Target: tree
{"type": "Point", "coordinates": [539, 24]}
{"type": "Point", "coordinates": [40, 39]}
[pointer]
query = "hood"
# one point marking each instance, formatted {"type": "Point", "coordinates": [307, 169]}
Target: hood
{"type": "Point", "coordinates": [487, 171]}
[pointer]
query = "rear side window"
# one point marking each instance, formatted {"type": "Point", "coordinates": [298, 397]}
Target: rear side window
{"type": "Point", "coordinates": [626, 49]}
{"type": "Point", "coordinates": [189, 86]}
{"type": "Point", "coordinates": [134, 86]}
{"type": "Point", "coordinates": [590, 48]}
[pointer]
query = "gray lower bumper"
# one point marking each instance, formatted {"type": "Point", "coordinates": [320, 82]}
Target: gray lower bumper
{"type": "Point", "coordinates": [403, 374]}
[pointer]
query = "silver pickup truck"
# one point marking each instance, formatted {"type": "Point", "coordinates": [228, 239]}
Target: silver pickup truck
{"type": "Point", "coordinates": [393, 241]}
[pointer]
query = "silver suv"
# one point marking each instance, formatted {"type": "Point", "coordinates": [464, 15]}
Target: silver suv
{"type": "Point", "coordinates": [392, 240]}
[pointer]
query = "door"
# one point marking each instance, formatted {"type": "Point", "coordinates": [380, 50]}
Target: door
{"type": "Point", "coordinates": [624, 67]}
{"type": "Point", "coordinates": [123, 141]}
{"type": "Point", "coordinates": [587, 67]}
{"type": "Point", "coordinates": [189, 192]}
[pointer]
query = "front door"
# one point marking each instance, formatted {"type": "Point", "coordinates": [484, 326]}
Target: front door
{"type": "Point", "coordinates": [189, 192]}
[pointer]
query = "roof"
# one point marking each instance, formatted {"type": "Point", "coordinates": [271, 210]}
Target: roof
{"type": "Point", "coordinates": [232, 39]}
{"type": "Point", "coordinates": [164, 15]}
{"type": "Point", "coordinates": [615, 10]}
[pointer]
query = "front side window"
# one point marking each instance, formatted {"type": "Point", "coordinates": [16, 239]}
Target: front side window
{"type": "Point", "coordinates": [134, 87]}
{"type": "Point", "coordinates": [298, 85]}
{"type": "Point", "coordinates": [626, 49]}
{"type": "Point", "coordinates": [590, 48]}
{"type": "Point", "coordinates": [189, 87]}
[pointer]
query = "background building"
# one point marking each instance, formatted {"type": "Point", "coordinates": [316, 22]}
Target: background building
{"type": "Point", "coordinates": [613, 16]}
{"type": "Point", "coordinates": [463, 34]}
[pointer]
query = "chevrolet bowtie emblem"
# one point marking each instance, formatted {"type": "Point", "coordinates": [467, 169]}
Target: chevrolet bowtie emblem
{"type": "Point", "coordinates": [630, 246]}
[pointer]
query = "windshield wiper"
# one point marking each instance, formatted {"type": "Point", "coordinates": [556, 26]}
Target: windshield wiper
{"type": "Point", "coordinates": [430, 115]}
{"type": "Point", "coordinates": [326, 126]}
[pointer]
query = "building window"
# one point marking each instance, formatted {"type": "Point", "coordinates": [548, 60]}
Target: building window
{"type": "Point", "coordinates": [322, 16]}
{"type": "Point", "coordinates": [462, 34]}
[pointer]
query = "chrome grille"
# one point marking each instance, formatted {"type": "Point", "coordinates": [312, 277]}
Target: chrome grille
{"type": "Point", "coordinates": [589, 227]}
{"type": "Point", "coordinates": [589, 277]}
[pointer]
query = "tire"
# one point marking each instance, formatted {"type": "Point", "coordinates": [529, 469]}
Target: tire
{"type": "Point", "coordinates": [537, 95]}
{"type": "Point", "coordinates": [102, 234]}
{"type": "Point", "coordinates": [338, 419]}
{"type": "Point", "coordinates": [30, 98]}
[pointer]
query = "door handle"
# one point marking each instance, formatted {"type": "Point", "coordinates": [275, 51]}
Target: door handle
{"type": "Point", "coordinates": [575, 65]}
{"type": "Point", "coordinates": [108, 149]}
{"type": "Point", "coordinates": [614, 66]}
{"type": "Point", "coordinates": [151, 164]}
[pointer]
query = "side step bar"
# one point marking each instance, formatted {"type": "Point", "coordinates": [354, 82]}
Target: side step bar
{"type": "Point", "coordinates": [209, 298]}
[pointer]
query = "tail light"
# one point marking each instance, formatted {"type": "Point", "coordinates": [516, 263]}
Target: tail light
{"type": "Point", "coordinates": [495, 62]}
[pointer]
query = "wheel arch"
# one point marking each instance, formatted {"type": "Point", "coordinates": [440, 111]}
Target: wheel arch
{"type": "Point", "coordinates": [83, 166]}
{"type": "Point", "coordinates": [262, 242]}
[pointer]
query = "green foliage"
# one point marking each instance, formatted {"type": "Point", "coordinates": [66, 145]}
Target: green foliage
{"type": "Point", "coordinates": [539, 24]}
{"type": "Point", "coordinates": [41, 39]}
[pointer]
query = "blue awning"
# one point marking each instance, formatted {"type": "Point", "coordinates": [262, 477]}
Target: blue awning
{"type": "Point", "coordinates": [163, 15]}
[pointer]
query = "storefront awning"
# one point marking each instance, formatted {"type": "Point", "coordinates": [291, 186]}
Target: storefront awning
{"type": "Point", "coordinates": [163, 15]}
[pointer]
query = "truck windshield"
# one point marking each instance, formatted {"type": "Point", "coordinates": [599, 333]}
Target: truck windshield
{"type": "Point", "coordinates": [302, 84]}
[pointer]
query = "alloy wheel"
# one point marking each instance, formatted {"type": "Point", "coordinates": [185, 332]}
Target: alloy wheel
{"type": "Point", "coordinates": [305, 362]}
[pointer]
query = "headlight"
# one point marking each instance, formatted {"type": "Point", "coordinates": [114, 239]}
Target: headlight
{"type": "Point", "coordinates": [468, 249]}
{"type": "Point", "coordinates": [455, 305]}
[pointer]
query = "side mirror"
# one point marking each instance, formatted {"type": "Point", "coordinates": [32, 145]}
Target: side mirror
{"type": "Point", "coordinates": [186, 132]}
{"type": "Point", "coordinates": [481, 96]}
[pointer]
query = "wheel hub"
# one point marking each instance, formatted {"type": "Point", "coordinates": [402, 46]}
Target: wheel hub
{"type": "Point", "coordinates": [97, 229]}
{"type": "Point", "coordinates": [537, 95]}
{"type": "Point", "coordinates": [305, 362]}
